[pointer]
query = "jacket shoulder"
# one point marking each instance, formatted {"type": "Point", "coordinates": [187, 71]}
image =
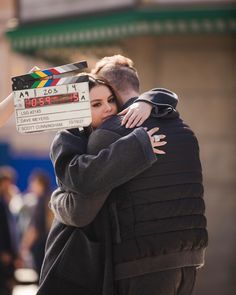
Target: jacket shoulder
{"type": "Point", "coordinates": [114, 124]}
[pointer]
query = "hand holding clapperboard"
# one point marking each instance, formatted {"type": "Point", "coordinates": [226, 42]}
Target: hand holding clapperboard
{"type": "Point", "coordinates": [46, 101]}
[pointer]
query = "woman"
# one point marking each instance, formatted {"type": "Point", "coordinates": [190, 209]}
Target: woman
{"type": "Point", "coordinates": [78, 260]}
{"type": "Point", "coordinates": [68, 153]}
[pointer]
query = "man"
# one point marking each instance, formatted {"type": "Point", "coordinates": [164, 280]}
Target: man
{"type": "Point", "coordinates": [159, 228]}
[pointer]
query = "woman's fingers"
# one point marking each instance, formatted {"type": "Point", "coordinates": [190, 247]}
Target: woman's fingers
{"type": "Point", "coordinates": [159, 143]}
{"type": "Point", "coordinates": [140, 122]}
{"type": "Point", "coordinates": [156, 140]}
{"type": "Point", "coordinates": [152, 131]}
{"type": "Point", "coordinates": [160, 137]}
{"type": "Point", "coordinates": [126, 117]}
{"type": "Point", "coordinates": [160, 152]}
{"type": "Point", "coordinates": [133, 120]}
{"type": "Point", "coordinates": [123, 112]}
{"type": "Point", "coordinates": [135, 114]}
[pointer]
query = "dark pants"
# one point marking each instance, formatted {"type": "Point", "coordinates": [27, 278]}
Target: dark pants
{"type": "Point", "coordinates": [171, 282]}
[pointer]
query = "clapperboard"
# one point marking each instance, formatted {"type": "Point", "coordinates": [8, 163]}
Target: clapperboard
{"type": "Point", "coordinates": [46, 101]}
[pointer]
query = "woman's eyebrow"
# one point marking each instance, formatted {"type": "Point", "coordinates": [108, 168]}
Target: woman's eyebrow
{"type": "Point", "coordinates": [93, 100]}
{"type": "Point", "coordinates": [97, 99]}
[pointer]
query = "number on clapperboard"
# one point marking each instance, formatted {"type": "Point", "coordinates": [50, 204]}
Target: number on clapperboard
{"type": "Point", "coordinates": [48, 91]}
{"type": "Point", "coordinates": [41, 101]}
{"type": "Point", "coordinates": [23, 94]}
{"type": "Point", "coordinates": [74, 97]}
{"type": "Point", "coordinates": [74, 86]}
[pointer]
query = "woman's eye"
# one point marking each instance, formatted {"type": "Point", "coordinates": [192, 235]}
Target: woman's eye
{"type": "Point", "coordinates": [112, 100]}
{"type": "Point", "coordinates": [95, 105]}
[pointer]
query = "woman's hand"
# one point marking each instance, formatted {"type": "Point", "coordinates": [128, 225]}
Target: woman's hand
{"type": "Point", "coordinates": [156, 140]}
{"type": "Point", "coordinates": [135, 114]}
{"type": "Point", "coordinates": [7, 105]}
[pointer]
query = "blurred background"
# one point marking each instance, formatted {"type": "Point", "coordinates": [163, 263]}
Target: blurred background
{"type": "Point", "coordinates": [187, 46]}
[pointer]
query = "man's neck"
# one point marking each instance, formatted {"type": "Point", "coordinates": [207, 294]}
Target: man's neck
{"type": "Point", "coordinates": [125, 96]}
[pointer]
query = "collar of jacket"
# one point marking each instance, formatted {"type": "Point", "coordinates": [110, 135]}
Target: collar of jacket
{"type": "Point", "coordinates": [128, 103]}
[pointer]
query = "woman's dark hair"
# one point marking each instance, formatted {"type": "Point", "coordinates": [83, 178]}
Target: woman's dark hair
{"type": "Point", "coordinates": [94, 80]}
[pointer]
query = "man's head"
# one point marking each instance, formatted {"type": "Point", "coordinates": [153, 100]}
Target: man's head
{"type": "Point", "coordinates": [120, 73]}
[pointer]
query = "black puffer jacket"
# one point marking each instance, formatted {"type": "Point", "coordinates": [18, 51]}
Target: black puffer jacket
{"type": "Point", "coordinates": [158, 217]}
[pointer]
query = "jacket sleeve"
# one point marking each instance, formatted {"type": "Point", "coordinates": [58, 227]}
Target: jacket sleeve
{"type": "Point", "coordinates": [104, 168]}
{"type": "Point", "coordinates": [88, 179]}
{"type": "Point", "coordinates": [73, 209]}
{"type": "Point", "coordinates": [163, 102]}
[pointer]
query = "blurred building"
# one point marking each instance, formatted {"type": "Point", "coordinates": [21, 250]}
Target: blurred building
{"type": "Point", "coordinates": [187, 46]}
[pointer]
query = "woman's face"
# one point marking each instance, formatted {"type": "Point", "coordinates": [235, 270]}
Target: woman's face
{"type": "Point", "coordinates": [103, 104]}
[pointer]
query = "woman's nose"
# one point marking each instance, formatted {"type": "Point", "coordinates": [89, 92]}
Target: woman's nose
{"type": "Point", "coordinates": [108, 107]}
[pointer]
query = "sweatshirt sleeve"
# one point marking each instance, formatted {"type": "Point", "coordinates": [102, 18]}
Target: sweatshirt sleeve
{"type": "Point", "coordinates": [89, 179]}
{"type": "Point", "coordinates": [163, 102]}
{"type": "Point", "coordinates": [114, 161]}
{"type": "Point", "coordinates": [74, 210]}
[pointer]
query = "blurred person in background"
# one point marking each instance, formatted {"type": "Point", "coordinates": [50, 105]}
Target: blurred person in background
{"type": "Point", "coordinates": [34, 239]}
{"type": "Point", "coordinates": [9, 259]}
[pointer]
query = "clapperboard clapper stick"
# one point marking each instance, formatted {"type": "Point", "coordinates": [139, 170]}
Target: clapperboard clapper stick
{"type": "Point", "coordinates": [46, 101]}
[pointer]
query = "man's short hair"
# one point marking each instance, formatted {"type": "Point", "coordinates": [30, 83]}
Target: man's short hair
{"type": "Point", "coordinates": [119, 71]}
